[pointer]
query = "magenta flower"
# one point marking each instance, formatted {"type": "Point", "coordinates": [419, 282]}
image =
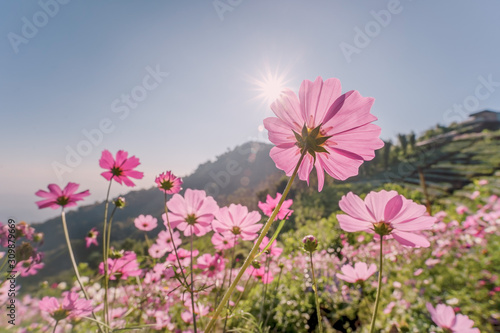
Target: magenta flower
{"type": "Point", "coordinates": [360, 272]}
{"type": "Point", "coordinates": [57, 197]}
{"type": "Point", "coordinates": [236, 220]}
{"type": "Point", "coordinates": [169, 183]}
{"type": "Point", "coordinates": [270, 204]}
{"type": "Point", "coordinates": [70, 307]}
{"type": "Point", "coordinates": [120, 169]}
{"type": "Point", "coordinates": [192, 213]}
{"type": "Point", "coordinates": [445, 317]}
{"type": "Point", "coordinates": [211, 265]}
{"type": "Point", "coordinates": [29, 266]}
{"type": "Point", "coordinates": [386, 213]}
{"type": "Point", "coordinates": [91, 237]}
{"type": "Point", "coordinates": [146, 223]}
{"type": "Point", "coordinates": [165, 240]}
{"type": "Point", "coordinates": [335, 130]}
{"type": "Point", "coordinates": [122, 267]}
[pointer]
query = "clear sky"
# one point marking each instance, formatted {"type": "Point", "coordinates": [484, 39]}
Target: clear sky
{"type": "Point", "coordinates": [175, 82]}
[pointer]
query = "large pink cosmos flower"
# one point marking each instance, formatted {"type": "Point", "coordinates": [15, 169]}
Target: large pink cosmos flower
{"type": "Point", "coordinates": [120, 169]}
{"type": "Point", "coordinates": [70, 307]}
{"type": "Point", "coordinates": [168, 182]}
{"type": "Point", "coordinates": [270, 204]}
{"type": "Point", "coordinates": [386, 213]}
{"type": "Point", "coordinates": [360, 272]}
{"type": "Point", "coordinates": [335, 130]}
{"type": "Point", "coordinates": [444, 317]}
{"type": "Point", "coordinates": [56, 197]}
{"type": "Point", "coordinates": [236, 220]}
{"type": "Point", "coordinates": [192, 213]}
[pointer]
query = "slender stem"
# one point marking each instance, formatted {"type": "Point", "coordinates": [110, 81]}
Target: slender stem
{"type": "Point", "coordinates": [173, 243]}
{"type": "Point", "coordinates": [55, 326]}
{"type": "Point", "coordinates": [255, 248]}
{"type": "Point", "coordinates": [73, 261]}
{"type": "Point", "coordinates": [105, 254]}
{"type": "Point", "coordinates": [191, 291]}
{"type": "Point", "coordinates": [273, 304]}
{"type": "Point", "coordinates": [244, 288]}
{"type": "Point", "coordinates": [230, 278]}
{"type": "Point", "coordinates": [379, 287]}
{"type": "Point", "coordinates": [266, 270]}
{"type": "Point", "coordinates": [316, 295]}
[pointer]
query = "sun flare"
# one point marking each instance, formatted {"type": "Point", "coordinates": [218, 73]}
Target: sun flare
{"type": "Point", "coordinates": [269, 86]}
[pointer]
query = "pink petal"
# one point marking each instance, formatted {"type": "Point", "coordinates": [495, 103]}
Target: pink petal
{"type": "Point", "coordinates": [316, 98]}
{"type": "Point", "coordinates": [410, 239]}
{"type": "Point", "coordinates": [393, 207]}
{"type": "Point", "coordinates": [377, 201]}
{"type": "Point", "coordinates": [106, 161]}
{"type": "Point", "coordinates": [285, 159]}
{"type": "Point", "coordinates": [353, 205]}
{"type": "Point", "coordinates": [350, 224]}
{"type": "Point", "coordinates": [287, 108]}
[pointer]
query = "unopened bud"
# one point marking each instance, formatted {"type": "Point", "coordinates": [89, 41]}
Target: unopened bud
{"type": "Point", "coordinates": [310, 243]}
{"type": "Point", "coordinates": [120, 202]}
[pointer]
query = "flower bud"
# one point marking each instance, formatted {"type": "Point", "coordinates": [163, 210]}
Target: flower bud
{"type": "Point", "coordinates": [255, 264]}
{"type": "Point", "coordinates": [120, 202]}
{"type": "Point", "coordinates": [310, 243]}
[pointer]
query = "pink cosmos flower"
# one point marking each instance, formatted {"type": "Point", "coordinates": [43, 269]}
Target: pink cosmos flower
{"type": "Point", "coordinates": [70, 307]}
{"type": "Point", "coordinates": [169, 183]}
{"type": "Point", "coordinates": [192, 213]}
{"type": "Point", "coordinates": [63, 198]}
{"type": "Point", "coordinates": [146, 223]}
{"type": "Point", "coordinates": [91, 238]}
{"type": "Point", "coordinates": [444, 317]}
{"type": "Point", "coordinates": [386, 213]}
{"type": "Point", "coordinates": [236, 220]}
{"type": "Point", "coordinates": [273, 250]}
{"type": "Point", "coordinates": [199, 310]}
{"type": "Point", "coordinates": [270, 204]}
{"type": "Point", "coordinates": [120, 169]}
{"type": "Point", "coordinates": [360, 272]}
{"type": "Point", "coordinates": [122, 267]}
{"type": "Point", "coordinates": [335, 130]}
{"type": "Point", "coordinates": [222, 242]}
{"type": "Point", "coordinates": [261, 274]}
{"type": "Point", "coordinates": [29, 266]}
{"type": "Point", "coordinates": [166, 241]}
{"type": "Point", "coordinates": [211, 265]}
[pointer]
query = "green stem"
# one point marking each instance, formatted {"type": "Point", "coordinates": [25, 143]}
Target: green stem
{"type": "Point", "coordinates": [105, 254]}
{"type": "Point", "coordinates": [255, 248]}
{"type": "Point", "coordinates": [316, 296]}
{"type": "Point", "coordinates": [230, 278]}
{"type": "Point", "coordinates": [55, 326]}
{"type": "Point", "coordinates": [73, 261]}
{"type": "Point", "coordinates": [379, 287]}
{"type": "Point", "coordinates": [275, 297]}
{"type": "Point", "coordinates": [192, 282]}
{"type": "Point", "coordinates": [266, 270]}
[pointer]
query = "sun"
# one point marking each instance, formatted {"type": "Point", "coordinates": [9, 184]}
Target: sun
{"type": "Point", "coordinates": [269, 86]}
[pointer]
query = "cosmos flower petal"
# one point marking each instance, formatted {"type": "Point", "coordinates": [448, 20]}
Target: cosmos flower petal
{"type": "Point", "coordinates": [410, 239]}
{"type": "Point", "coordinates": [285, 159]}
{"type": "Point", "coordinates": [287, 108]}
{"type": "Point", "coordinates": [316, 98]}
{"type": "Point", "coordinates": [352, 224]}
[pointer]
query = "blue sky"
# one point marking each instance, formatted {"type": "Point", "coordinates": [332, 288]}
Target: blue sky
{"type": "Point", "coordinates": [173, 82]}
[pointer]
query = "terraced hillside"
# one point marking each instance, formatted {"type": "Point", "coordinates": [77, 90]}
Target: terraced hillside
{"type": "Point", "coordinates": [446, 167]}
